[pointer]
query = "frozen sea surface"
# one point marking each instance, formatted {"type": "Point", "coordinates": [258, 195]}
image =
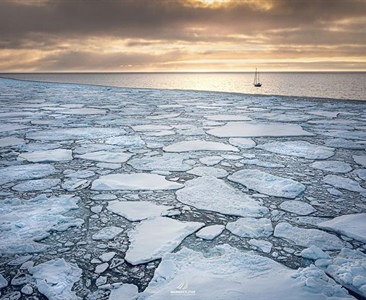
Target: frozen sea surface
{"type": "Point", "coordinates": [111, 193]}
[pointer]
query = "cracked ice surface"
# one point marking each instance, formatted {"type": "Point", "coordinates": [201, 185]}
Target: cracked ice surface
{"type": "Point", "coordinates": [210, 193]}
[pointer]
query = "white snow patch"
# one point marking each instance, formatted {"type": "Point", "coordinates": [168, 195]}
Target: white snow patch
{"type": "Point", "coordinates": [210, 232]}
{"type": "Point", "coordinates": [137, 210]}
{"type": "Point", "coordinates": [153, 238]}
{"type": "Point", "coordinates": [299, 149]}
{"type": "Point", "coordinates": [47, 156]}
{"type": "Point", "coordinates": [297, 207]}
{"type": "Point", "coordinates": [134, 181]}
{"type": "Point", "coordinates": [268, 184]}
{"type": "Point", "coordinates": [55, 278]}
{"type": "Point", "coordinates": [308, 237]}
{"type": "Point", "coordinates": [210, 193]}
{"type": "Point", "coordinates": [352, 226]}
{"type": "Point", "coordinates": [199, 145]}
{"type": "Point", "coordinates": [244, 129]}
{"type": "Point", "coordinates": [251, 227]}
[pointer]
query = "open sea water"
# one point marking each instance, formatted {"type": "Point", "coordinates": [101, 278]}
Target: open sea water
{"type": "Point", "coordinates": [345, 85]}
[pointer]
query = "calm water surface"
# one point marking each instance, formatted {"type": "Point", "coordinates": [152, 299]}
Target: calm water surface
{"type": "Point", "coordinates": [350, 86]}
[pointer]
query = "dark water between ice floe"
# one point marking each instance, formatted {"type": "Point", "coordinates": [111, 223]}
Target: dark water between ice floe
{"type": "Point", "coordinates": [348, 86]}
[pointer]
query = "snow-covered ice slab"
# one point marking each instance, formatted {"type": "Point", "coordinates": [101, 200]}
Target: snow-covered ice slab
{"type": "Point", "coordinates": [228, 118]}
{"type": "Point", "coordinates": [47, 156]}
{"type": "Point", "coordinates": [153, 238]}
{"type": "Point", "coordinates": [126, 141]}
{"type": "Point", "coordinates": [262, 245]}
{"type": "Point", "coordinates": [55, 278]}
{"type": "Point", "coordinates": [23, 222]}
{"type": "Point", "coordinates": [107, 233]}
{"type": "Point", "coordinates": [244, 143]}
{"type": "Point", "coordinates": [210, 232]}
{"type": "Point", "coordinates": [251, 227]}
{"type": "Point", "coordinates": [151, 127]}
{"type": "Point", "coordinates": [297, 207]}
{"type": "Point", "coordinates": [211, 160]}
{"type": "Point", "coordinates": [134, 182]}
{"type": "Point", "coordinates": [166, 162]}
{"type": "Point", "coordinates": [36, 185]}
{"type": "Point", "coordinates": [11, 141]}
{"type": "Point", "coordinates": [11, 127]}
{"type": "Point", "coordinates": [332, 166]}
{"type": "Point", "coordinates": [268, 184]}
{"type": "Point", "coordinates": [299, 149]}
{"type": "Point", "coordinates": [25, 172]}
{"type": "Point", "coordinates": [199, 145]}
{"type": "Point", "coordinates": [308, 237]}
{"type": "Point", "coordinates": [106, 156]}
{"type": "Point", "coordinates": [210, 193]}
{"type": "Point", "coordinates": [343, 183]}
{"type": "Point", "coordinates": [349, 269]}
{"type": "Point", "coordinates": [360, 159]}
{"type": "Point", "coordinates": [74, 133]}
{"type": "Point", "coordinates": [244, 129]}
{"type": "Point", "coordinates": [209, 171]}
{"type": "Point", "coordinates": [227, 273]}
{"type": "Point", "coordinates": [125, 291]}
{"type": "Point", "coordinates": [83, 111]}
{"type": "Point", "coordinates": [137, 210]}
{"type": "Point", "coordinates": [353, 226]}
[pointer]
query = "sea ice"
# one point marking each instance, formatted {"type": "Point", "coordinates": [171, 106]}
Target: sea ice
{"type": "Point", "coordinates": [228, 118]}
{"type": "Point", "coordinates": [36, 185]}
{"type": "Point", "coordinates": [153, 238]}
{"type": "Point", "coordinates": [3, 282]}
{"type": "Point", "coordinates": [210, 232]}
{"type": "Point", "coordinates": [260, 163]}
{"type": "Point", "coordinates": [124, 292]}
{"type": "Point", "coordinates": [297, 207]}
{"type": "Point", "coordinates": [25, 222]}
{"type": "Point", "coordinates": [25, 172]}
{"type": "Point", "coordinates": [199, 145]}
{"type": "Point", "coordinates": [126, 141]}
{"type": "Point", "coordinates": [244, 129]}
{"type": "Point", "coordinates": [55, 278]}
{"type": "Point", "coordinates": [47, 156]}
{"type": "Point", "coordinates": [360, 159]}
{"type": "Point", "coordinates": [299, 148]}
{"type": "Point", "coordinates": [262, 245]}
{"type": "Point", "coordinates": [166, 162]}
{"type": "Point", "coordinates": [227, 273]}
{"type": "Point", "coordinates": [268, 184]}
{"type": "Point", "coordinates": [210, 193]}
{"type": "Point", "coordinates": [74, 133]}
{"type": "Point", "coordinates": [211, 160]}
{"type": "Point", "coordinates": [314, 253]}
{"type": "Point", "coordinates": [361, 173]}
{"type": "Point", "coordinates": [208, 171]}
{"type": "Point", "coordinates": [343, 143]}
{"type": "Point", "coordinates": [137, 210]}
{"type": "Point", "coordinates": [151, 127]}
{"type": "Point", "coordinates": [244, 143]}
{"type": "Point", "coordinates": [349, 269]}
{"type": "Point", "coordinates": [11, 127]}
{"type": "Point", "coordinates": [83, 111]}
{"type": "Point", "coordinates": [352, 226]}
{"type": "Point", "coordinates": [11, 141]}
{"type": "Point", "coordinates": [107, 233]}
{"type": "Point", "coordinates": [332, 166]}
{"type": "Point", "coordinates": [308, 237]}
{"type": "Point", "coordinates": [343, 183]}
{"type": "Point", "coordinates": [134, 181]}
{"type": "Point", "coordinates": [251, 227]}
{"type": "Point", "coordinates": [106, 156]}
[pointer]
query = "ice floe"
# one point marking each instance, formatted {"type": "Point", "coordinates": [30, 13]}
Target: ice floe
{"type": "Point", "coordinates": [210, 193]}
{"type": "Point", "coordinates": [135, 181]}
{"type": "Point", "coordinates": [153, 238]}
{"type": "Point", "coordinates": [165, 162]}
{"type": "Point", "coordinates": [125, 291]}
{"type": "Point", "coordinates": [314, 253]}
{"type": "Point", "coordinates": [24, 222]}
{"type": "Point", "coordinates": [126, 141]}
{"type": "Point", "coordinates": [268, 184]}
{"type": "Point", "coordinates": [227, 273]}
{"type": "Point", "coordinates": [199, 145]}
{"type": "Point", "coordinates": [25, 172]}
{"type": "Point", "coordinates": [137, 210]}
{"type": "Point", "coordinates": [228, 118]}
{"type": "Point", "coordinates": [244, 143]}
{"type": "Point", "coordinates": [308, 237]}
{"type": "Point", "coordinates": [36, 185]}
{"type": "Point", "coordinates": [210, 232]}
{"type": "Point", "coordinates": [360, 159]}
{"type": "Point", "coordinates": [107, 233]}
{"type": "Point", "coordinates": [55, 278]}
{"type": "Point", "coordinates": [332, 166]}
{"type": "Point", "coordinates": [262, 245]}
{"type": "Point", "coordinates": [352, 226]}
{"type": "Point", "coordinates": [208, 171]}
{"type": "Point", "coordinates": [244, 129]}
{"type": "Point", "coordinates": [297, 207]}
{"type": "Point", "coordinates": [299, 148]}
{"type": "Point", "coordinates": [211, 160]}
{"type": "Point", "coordinates": [251, 227]}
{"type": "Point", "coordinates": [343, 183]}
{"type": "Point", "coordinates": [47, 156]}
{"type": "Point", "coordinates": [11, 141]}
{"type": "Point", "coordinates": [106, 156]}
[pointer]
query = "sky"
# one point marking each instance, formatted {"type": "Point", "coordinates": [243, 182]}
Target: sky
{"type": "Point", "coordinates": [182, 35]}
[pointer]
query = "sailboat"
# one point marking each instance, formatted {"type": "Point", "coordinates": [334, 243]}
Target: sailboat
{"type": "Point", "coordinates": [256, 79]}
